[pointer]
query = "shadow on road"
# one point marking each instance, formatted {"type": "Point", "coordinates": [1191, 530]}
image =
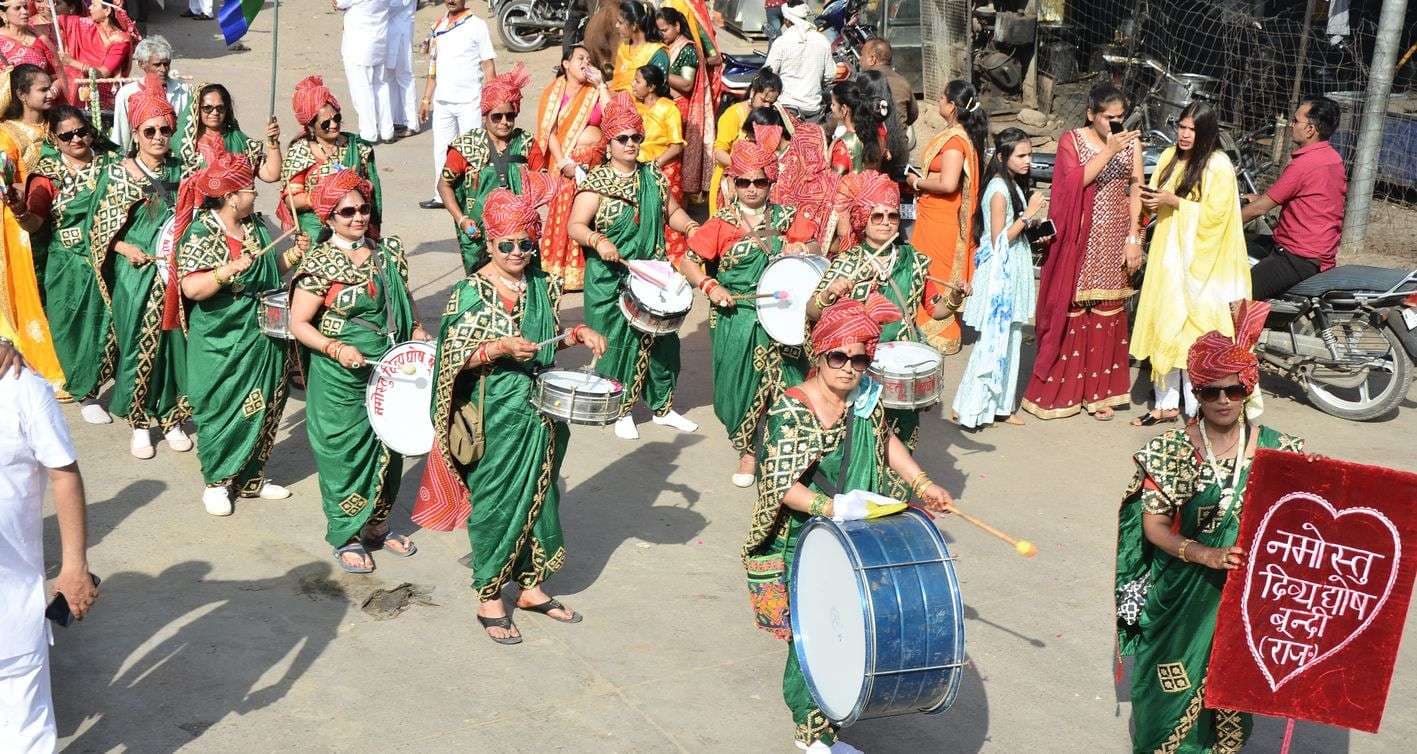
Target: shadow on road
{"type": "Point", "coordinates": [173, 654]}
{"type": "Point", "coordinates": [105, 515]}
{"type": "Point", "coordinates": [961, 728]}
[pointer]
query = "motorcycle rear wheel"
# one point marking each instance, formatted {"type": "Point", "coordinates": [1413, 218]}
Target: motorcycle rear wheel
{"type": "Point", "coordinates": [1391, 370]}
{"type": "Point", "coordinates": [519, 39]}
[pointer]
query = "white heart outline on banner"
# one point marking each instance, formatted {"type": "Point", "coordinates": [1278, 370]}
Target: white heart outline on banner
{"type": "Point", "coordinates": [1250, 572]}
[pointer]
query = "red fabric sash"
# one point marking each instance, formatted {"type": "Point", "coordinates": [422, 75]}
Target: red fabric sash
{"type": "Point", "coordinates": [1070, 209]}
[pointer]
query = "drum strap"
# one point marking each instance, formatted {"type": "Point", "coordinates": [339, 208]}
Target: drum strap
{"type": "Point", "coordinates": [820, 479]}
{"type": "Point", "coordinates": [389, 328]}
{"type": "Point", "coordinates": [502, 162]}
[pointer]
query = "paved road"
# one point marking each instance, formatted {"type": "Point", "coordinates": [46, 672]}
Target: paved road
{"type": "Point", "coordinates": [239, 634]}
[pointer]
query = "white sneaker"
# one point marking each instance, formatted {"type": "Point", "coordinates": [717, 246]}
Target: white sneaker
{"type": "Point", "coordinates": [676, 420]}
{"type": "Point", "coordinates": [625, 428]}
{"type": "Point", "coordinates": [142, 445]}
{"type": "Point", "coordinates": [93, 413]}
{"type": "Point", "coordinates": [178, 440]}
{"type": "Point", "coordinates": [742, 480]}
{"type": "Point", "coordinates": [217, 501]}
{"type": "Point", "coordinates": [272, 491]}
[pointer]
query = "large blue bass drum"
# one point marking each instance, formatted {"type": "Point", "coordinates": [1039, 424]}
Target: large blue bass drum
{"type": "Point", "coordinates": [877, 619]}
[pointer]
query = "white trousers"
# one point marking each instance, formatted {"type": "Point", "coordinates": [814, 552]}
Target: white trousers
{"type": "Point", "coordinates": [403, 96]}
{"type": "Point", "coordinates": [203, 7]}
{"type": "Point", "coordinates": [26, 704]}
{"type": "Point", "coordinates": [369, 93]}
{"type": "Point", "coordinates": [1176, 384]}
{"type": "Point", "coordinates": [451, 120]}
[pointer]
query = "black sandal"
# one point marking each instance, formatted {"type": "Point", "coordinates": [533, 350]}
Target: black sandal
{"type": "Point", "coordinates": [502, 622]}
{"type": "Point", "coordinates": [546, 607]}
{"type": "Point", "coordinates": [1149, 419]}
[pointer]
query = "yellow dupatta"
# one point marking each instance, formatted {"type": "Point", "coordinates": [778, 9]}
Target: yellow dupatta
{"type": "Point", "coordinates": [628, 59]}
{"type": "Point", "coordinates": [20, 306]}
{"type": "Point", "coordinates": [576, 112]}
{"type": "Point", "coordinates": [968, 191]}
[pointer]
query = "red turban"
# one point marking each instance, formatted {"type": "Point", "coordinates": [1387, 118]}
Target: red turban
{"type": "Point", "coordinates": [1214, 356]}
{"type": "Point", "coordinates": [224, 174]}
{"type": "Point", "coordinates": [505, 88]}
{"type": "Point", "coordinates": [150, 101]}
{"type": "Point", "coordinates": [621, 116]}
{"type": "Point", "coordinates": [851, 321]}
{"type": "Point", "coordinates": [761, 154]}
{"type": "Point", "coordinates": [331, 189]}
{"type": "Point", "coordinates": [859, 193]}
{"type": "Point", "coordinates": [505, 214]}
{"type": "Point", "coordinates": [311, 94]}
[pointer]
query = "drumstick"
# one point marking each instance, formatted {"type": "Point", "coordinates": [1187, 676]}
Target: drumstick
{"type": "Point", "coordinates": [274, 243]}
{"type": "Point", "coordinates": [556, 339]}
{"type": "Point", "coordinates": [775, 296]}
{"type": "Point", "coordinates": [946, 283]}
{"type": "Point", "coordinates": [888, 242]}
{"type": "Point", "coordinates": [831, 233]}
{"type": "Point", "coordinates": [1021, 546]}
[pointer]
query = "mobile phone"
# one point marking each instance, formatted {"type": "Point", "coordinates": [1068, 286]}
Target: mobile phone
{"type": "Point", "coordinates": [911, 169]}
{"type": "Point", "coordinates": [1041, 230]}
{"type": "Point", "coordinates": [1116, 126]}
{"type": "Point", "coordinates": [58, 609]}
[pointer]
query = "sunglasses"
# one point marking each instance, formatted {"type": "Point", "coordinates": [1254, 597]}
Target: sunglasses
{"type": "Point", "coordinates": [1211, 393]}
{"type": "Point", "coordinates": [636, 139]}
{"type": "Point", "coordinates": [213, 109]}
{"type": "Point", "coordinates": [152, 131]}
{"type": "Point", "coordinates": [759, 183]}
{"type": "Point", "coordinates": [525, 247]}
{"type": "Point", "coordinates": [82, 132]}
{"type": "Point", "coordinates": [885, 218]}
{"type": "Point", "coordinates": [348, 213]}
{"type": "Point", "coordinates": [839, 359]}
{"type": "Point", "coordinates": [501, 117]}
{"type": "Point", "coordinates": [332, 121]}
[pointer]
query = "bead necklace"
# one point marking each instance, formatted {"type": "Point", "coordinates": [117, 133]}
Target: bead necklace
{"type": "Point", "coordinates": [1227, 491]}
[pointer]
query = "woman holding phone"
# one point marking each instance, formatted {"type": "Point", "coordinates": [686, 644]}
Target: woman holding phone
{"type": "Point", "coordinates": [1081, 322]}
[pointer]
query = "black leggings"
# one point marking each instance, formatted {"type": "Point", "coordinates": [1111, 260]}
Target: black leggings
{"type": "Point", "coordinates": [1278, 269]}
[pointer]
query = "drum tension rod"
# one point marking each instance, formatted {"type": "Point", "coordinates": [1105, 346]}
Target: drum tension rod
{"type": "Point", "coordinates": [909, 563]}
{"type": "Point", "coordinates": [919, 670]}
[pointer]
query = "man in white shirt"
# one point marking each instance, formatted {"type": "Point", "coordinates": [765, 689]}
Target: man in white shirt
{"type": "Point", "coordinates": [460, 58]}
{"type": "Point", "coordinates": [34, 447]}
{"type": "Point", "coordinates": [398, 67]}
{"type": "Point", "coordinates": [366, 24]}
{"type": "Point", "coordinates": [154, 53]}
{"type": "Point", "coordinates": [802, 56]}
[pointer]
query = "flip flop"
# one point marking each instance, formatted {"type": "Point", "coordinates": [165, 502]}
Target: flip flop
{"type": "Point", "coordinates": [410, 549]}
{"type": "Point", "coordinates": [502, 622]}
{"type": "Point", "coordinates": [1149, 419]}
{"type": "Point", "coordinates": [356, 547]}
{"type": "Point", "coordinates": [546, 607]}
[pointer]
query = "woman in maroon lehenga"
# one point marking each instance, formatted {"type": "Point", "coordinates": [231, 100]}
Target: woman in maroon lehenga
{"type": "Point", "coordinates": [1081, 318]}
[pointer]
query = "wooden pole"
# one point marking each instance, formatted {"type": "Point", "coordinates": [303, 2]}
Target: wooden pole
{"type": "Point", "coordinates": [1296, 91]}
{"type": "Point", "coordinates": [275, 53]}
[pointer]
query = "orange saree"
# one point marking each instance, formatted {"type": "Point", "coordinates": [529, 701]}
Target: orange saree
{"type": "Point", "coordinates": [944, 231]}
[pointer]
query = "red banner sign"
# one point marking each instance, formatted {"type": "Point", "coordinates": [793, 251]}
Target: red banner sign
{"type": "Point", "coordinates": [1309, 627]}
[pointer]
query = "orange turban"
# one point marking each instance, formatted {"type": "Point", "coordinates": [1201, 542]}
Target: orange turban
{"type": "Point", "coordinates": [621, 116]}
{"type": "Point", "coordinates": [851, 321]}
{"type": "Point", "coordinates": [311, 94]}
{"type": "Point", "coordinates": [505, 214]}
{"type": "Point", "coordinates": [150, 101]}
{"type": "Point", "coordinates": [760, 154]}
{"type": "Point", "coordinates": [505, 88]}
{"type": "Point", "coordinates": [331, 189]}
{"type": "Point", "coordinates": [1214, 356]}
{"type": "Point", "coordinates": [858, 193]}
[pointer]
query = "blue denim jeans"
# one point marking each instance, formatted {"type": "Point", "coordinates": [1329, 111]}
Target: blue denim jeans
{"type": "Point", "coordinates": [772, 22]}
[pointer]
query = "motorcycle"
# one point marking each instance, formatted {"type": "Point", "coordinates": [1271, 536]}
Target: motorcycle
{"type": "Point", "coordinates": [1348, 338]}
{"type": "Point", "coordinates": [530, 25]}
{"type": "Point", "coordinates": [839, 21]}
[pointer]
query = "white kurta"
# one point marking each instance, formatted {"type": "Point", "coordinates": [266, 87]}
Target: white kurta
{"type": "Point", "coordinates": [366, 26]}
{"type": "Point", "coordinates": [398, 63]}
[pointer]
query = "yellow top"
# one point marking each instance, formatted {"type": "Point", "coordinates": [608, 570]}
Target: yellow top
{"type": "Point", "coordinates": [730, 129]}
{"type": "Point", "coordinates": [1195, 268]}
{"type": "Point", "coordinates": [628, 59]}
{"type": "Point", "coordinates": [663, 127]}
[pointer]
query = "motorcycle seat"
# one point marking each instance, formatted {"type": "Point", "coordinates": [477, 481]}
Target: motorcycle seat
{"type": "Point", "coordinates": [1352, 278]}
{"type": "Point", "coordinates": [750, 60]}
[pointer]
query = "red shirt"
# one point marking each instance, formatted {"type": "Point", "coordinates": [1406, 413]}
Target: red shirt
{"type": "Point", "coordinates": [1310, 193]}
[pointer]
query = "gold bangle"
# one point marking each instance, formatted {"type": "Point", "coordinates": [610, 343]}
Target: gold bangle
{"type": "Point", "coordinates": [920, 483]}
{"type": "Point", "coordinates": [216, 275]}
{"type": "Point", "coordinates": [1181, 551]}
{"type": "Point", "coordinates": [818, 505]}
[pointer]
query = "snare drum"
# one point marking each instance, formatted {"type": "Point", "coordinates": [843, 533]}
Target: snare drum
{"type": "Point", "coordinates": [877, 618]}
{"type": "Point", "coordinates": [912, 375]}
{"type": "Point", "coordinates": [785, 320]}
{"type": "Point", "coordinates": [654, 309]}
{"type": "Point", "coordinates": [578, 397]}
{"type": "Point", "coordinates": [399, 398]}
{"type": "Point", "coordinates": [274, 314]}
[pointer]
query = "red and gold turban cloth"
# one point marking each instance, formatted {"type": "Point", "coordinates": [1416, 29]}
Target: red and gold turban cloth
{"type": "Point", "coordinates": [311, 94]}
{"type": "Point", "coordinates": [150, 101]}
{"type": "Point", "coordinates": [505, 88]}
{"type": "Point", "coordinates": [859, 193]}
{"type": "Point", "coordinates": [621, 116]}
{"type": "Point", "coordinates": [331, 189]}
{"type": "Point", "coordinates": [851, 321]}
{"type": "Point", "coordinates": [506, 214]}
{"type": "Point", "coordinates": [760, 154]}
{"type": "Point", "coordinates": [1214, 355]}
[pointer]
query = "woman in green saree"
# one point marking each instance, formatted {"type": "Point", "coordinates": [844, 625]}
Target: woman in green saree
{"type": "Point", "coordinates": [750, 369]}
{"type": "Point", "coordinates": [236, 374]}
{"type": "Point", "coordinates": [827, 449]}
{"type": "Point", "coordinates": [494, 338]}
{"type": "Point", "coordinates": [208, 125]}
{"type": "Point", "coordinates": [870, 202]}
{"type": "Point", "coordinates": [135, 200]}
{"type": "Point", "coordinates": [59, 197]}
{"type": "Point", "coordinates": [620, 214]}
{"type": "Point", "coordinates": [483, 160]}
{"type": "Point", "coordinates": [322, 148]}
{"type": "Point", "coordinates": [349, 305]}
{"type": "Point", "coordinates": [1168, 576]}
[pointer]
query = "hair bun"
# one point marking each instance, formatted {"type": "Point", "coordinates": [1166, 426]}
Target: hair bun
{"type": "Point", "coordinates": [883, 106]}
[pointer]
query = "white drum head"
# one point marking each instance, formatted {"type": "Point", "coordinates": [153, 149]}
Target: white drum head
{"type": "Point", "coordinates": [580, 381]}
{"type": "Point", "coordinates": [785, 320]}
{"type": "Point", "coordinates": [676, 297]}
{"type": "Point", "coordinates": [902, 356]}
{"type": "Point", "coordinates": [829, 622]}
{"type": "Point", "coordinates": [399, 398]}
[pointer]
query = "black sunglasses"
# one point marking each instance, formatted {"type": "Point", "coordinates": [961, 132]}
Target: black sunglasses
{"type": "Point", "coordinates": [82, 132]}
{"type": "Point", "coordinates": [152, 131]}
{"type": "Point", "coordinates": [624, 139]}
{"type": "Point", "coordinates": [761, 183]}
{"type": "Point", "coordinates": [349, 212]}
{"type": "Point", "coordinates": [839, 359]}
{"type": "Point", "coordinates": [1211, 393]}
{"type": "Point", "coordinates": [885, 217]}
{"type": "Point", "coordinates": [524, 246]}
{"type": "Point", "coordinates": [501, 117]}
{"type": "Point", "coordinates": [332, 121]}
{"type": "Point", "coordinates": [213, 109]}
